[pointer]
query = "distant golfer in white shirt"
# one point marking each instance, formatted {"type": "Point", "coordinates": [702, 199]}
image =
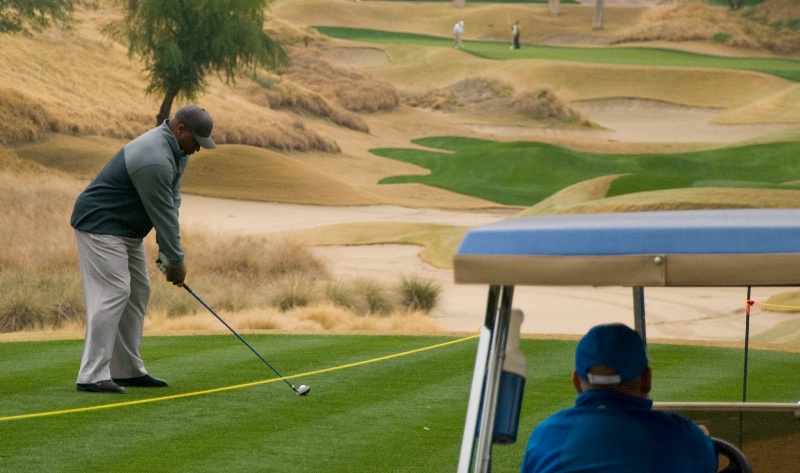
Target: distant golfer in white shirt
{"type": "Point", "coordinates": [458, 30]}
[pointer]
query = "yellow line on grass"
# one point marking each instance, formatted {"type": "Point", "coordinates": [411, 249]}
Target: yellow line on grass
{"type": "Point", "coordinates": [229, 388]}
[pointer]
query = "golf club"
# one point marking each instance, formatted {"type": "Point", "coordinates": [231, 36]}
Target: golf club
{"type": "Point", "coordinates": [301, 391]}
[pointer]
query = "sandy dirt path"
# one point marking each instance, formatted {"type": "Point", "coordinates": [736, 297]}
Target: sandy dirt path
{"type": "Point", "coordinates": [672, 313]}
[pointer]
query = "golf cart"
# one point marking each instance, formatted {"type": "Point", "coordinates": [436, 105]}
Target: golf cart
{"type": "Point", "coordinates": [702, 248]}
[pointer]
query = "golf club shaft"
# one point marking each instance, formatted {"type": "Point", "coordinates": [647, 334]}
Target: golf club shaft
{"type": "Point", "coordinates": [185, 286]}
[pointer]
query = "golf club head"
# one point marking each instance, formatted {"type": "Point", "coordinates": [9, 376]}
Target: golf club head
{"type": "Point", "coordinates": [303, 390]}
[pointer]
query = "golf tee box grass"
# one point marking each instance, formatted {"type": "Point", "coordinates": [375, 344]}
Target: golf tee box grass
{"type": "Point", "coordinates": [380, 403]}
{"type": "Point", "coordinates": [300, 392]}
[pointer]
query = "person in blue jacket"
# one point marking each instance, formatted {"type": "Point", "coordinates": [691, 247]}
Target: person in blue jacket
{"type": "Point", "coordinates": [612, 426]}
{"type": "Point", "coordinates": [137, 190]}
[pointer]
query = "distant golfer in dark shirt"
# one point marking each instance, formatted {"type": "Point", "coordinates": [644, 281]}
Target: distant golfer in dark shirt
{"type": "Point", "coordinates": [515, 32]}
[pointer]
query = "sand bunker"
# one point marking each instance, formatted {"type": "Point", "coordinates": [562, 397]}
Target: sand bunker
{"type": "Point", "coordinates": [643, 121]}
{"type": "Point", "coordinates": [650, 121]}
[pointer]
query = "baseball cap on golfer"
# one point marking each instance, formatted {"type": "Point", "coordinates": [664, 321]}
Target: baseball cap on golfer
{"type": "Point", "coordinates": [199, 123]}
{"type": "Point", "coordinates": [614, 345]}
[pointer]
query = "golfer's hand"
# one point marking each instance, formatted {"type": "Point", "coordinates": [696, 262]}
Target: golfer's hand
{"type": "Point", "coordinates": [161, 263]}
{"type": "Point", "coordinates": [176, 275]}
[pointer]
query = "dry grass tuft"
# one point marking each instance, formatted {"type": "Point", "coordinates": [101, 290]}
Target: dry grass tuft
{"type": "Point", "coordinates": [324, 316]}
{"type": "Point", "coordinates": [317, 318]}
{"type": "Point", "coordinates": [362, 296]}
{"type": "Point", "coordinates": [242, 273]}
{"type": "Point", "coordinates": [494, 97]}
{"type": "Point", "coordinates": [293, 290]}
{"type": "Point", "coordinates": [290, 258]}
{"type": "Point", "coordinates": [289, 95]}
{"type": "Point", "coordinates": [273, 134]}
{"type": "Point", "coordinates": [782, 18]}
{"type": "Point", "coordinates": [290, 34]}
{"type": "Point", "coordinates": [25, 120]}
{"type": "Point", "coordinates": [771, 25]}
{"type": "Point", "coordinates": [352, 88]}
{"type": "Point", "coordinates": [418, 294]}
{"type": "Point", "coordinates": [254, 258]}
{"type": "Point", "coordinates": [778, 12]}
{"type": "Point", "coordinates": [470, 91]}
{"type": "Point", "coordinates": [31, 205]}
{"type": "Point", "coordinates": [680, 22]}
{"type": "Point", "coordinates": [204, 322]}
{"type": "Point", "coordinates": [37, 260]}
{"type": "Point", "coordinates": [547, 104]}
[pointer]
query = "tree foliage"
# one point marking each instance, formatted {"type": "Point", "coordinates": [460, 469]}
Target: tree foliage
{"type": "Point", "coordinates": [21, 15]}
{"type": "Point", "coordinates": [181, 42]}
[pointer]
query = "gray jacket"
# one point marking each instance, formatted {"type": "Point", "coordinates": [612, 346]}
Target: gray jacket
{"type": "Point", "coordinates": [136, 191]}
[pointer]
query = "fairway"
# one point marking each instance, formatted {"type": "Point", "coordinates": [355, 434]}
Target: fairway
{"type": "Point", "coordinates": [785, 68]}
{"type": "Point", "coordinates": [378, 403]}
{"type": "Point", "coordinates": [525, 173]}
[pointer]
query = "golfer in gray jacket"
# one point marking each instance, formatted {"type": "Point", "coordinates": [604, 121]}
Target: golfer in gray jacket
{"type": "Point", "coordinates": [136, 191]}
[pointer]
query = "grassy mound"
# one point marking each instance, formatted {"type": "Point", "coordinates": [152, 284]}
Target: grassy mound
{"type": "Point", "coordinates": [495, 99]}
{"type": "Point", "coordinates": [773, 25]}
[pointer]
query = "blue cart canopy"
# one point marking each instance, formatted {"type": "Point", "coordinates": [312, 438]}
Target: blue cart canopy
{"type": "Point", "coordinates": [746, 247]}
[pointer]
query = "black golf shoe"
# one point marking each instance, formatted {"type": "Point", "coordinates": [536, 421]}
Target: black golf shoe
{"type": "Point", "coordinates": [105, 386]}
{"type": "Point", "coordinates": [144, 381]}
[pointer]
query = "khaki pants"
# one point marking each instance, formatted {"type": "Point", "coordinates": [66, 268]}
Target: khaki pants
{"type": "Point", "coordinates": [116, 290]}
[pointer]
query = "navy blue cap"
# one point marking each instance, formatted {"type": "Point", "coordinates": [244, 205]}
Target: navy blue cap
{"type": "Point", "coordinates": [614, 345]}
{"type": "Point", "coordinates": [199, 123]}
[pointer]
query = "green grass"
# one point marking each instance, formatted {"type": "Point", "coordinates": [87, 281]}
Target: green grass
{"type": "Point", "coordinates": [225, 411]}
{"type": "Point", "coordinates": [525, 173]}
{"type": "Point", "coordinates": [651, 57]}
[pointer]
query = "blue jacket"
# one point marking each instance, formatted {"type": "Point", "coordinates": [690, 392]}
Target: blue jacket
{"type": "Point", "coordinates": [611, 432]}
{"type": "Point", "coordinates": [136, 191]}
